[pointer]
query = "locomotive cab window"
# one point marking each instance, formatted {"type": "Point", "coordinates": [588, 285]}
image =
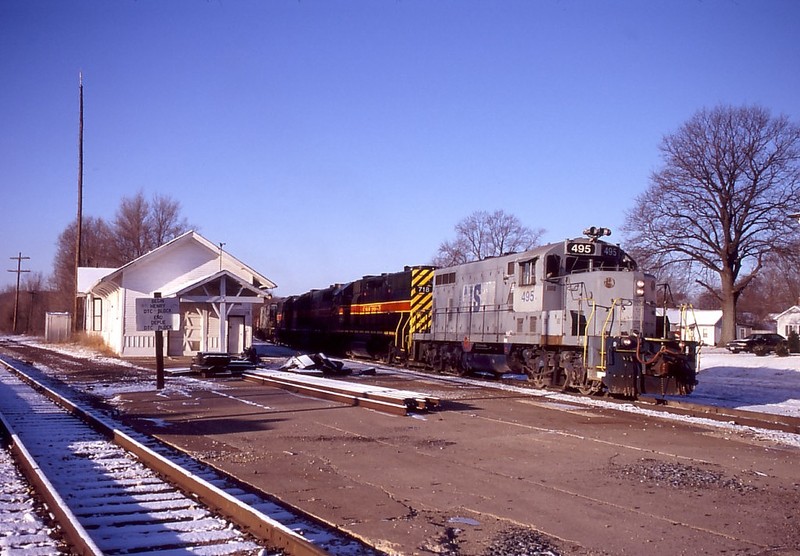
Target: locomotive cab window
{"type": "Point", "coordinates": [578, 264]}
{"type": "Point", "coordinates": [527, 275]}
{"type": "Point", "coordinates": [553, 266]}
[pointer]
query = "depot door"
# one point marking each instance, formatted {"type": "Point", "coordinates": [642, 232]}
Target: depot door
{"type": "Point", "coordinates": [192, 331]}
{"type": "Point", "coordinates": [236, 334]}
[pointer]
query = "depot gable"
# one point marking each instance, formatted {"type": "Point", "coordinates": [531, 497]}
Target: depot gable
{"type": "Point", "coordinates": [219, 296]}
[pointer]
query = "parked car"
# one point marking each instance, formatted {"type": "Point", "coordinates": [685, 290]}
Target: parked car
{"type": "Point", "coordinates": [260, 352]}
{"type": "Point", "coordinates": [762, 342]}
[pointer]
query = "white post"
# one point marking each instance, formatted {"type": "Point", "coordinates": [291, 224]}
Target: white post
{"type": "Point", "coordinates": [223, 317]}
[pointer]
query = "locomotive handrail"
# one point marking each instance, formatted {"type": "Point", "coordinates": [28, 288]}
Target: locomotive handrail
{"type": "Point", "coordinates": [603, 334]}
{"type": "Point", "coordinates": [586, 334]}
{"type": "Point", "coordinates": [405, 337]}
{"type": "Point", "coordinates": [398, 337]}
{"type": "Point", "coordinates": [685, 321]}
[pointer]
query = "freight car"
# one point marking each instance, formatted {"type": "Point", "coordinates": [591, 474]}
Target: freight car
{"type": "Point", "coordinates": [576, 314]}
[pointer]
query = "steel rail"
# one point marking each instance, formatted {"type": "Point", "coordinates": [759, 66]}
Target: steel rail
{"type": "Point", "coordinates": [75, 534]}
{"type": "Point", "coordinates": [770, 421]}
{"type": "Point", "coordinates": [757, 419]}
{"type": "Point", "coordinates": [260, 525]}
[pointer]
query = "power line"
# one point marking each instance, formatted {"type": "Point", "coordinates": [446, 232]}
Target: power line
{"type": "Point", "coordinates": [19, 258]}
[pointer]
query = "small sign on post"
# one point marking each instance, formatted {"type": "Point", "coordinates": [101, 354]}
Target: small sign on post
{"type": "Point", "coordinates": [158, 314]}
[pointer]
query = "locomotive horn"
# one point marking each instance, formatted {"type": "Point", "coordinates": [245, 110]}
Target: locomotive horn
{"type": "Point", "coordinates": [596, 233]}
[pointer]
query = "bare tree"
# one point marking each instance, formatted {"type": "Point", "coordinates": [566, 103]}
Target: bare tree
{"type": "Point", "coordinates": [97, 250]}
{"type": "Point", "coordinates": [483, 234]}
{"type": "Point", "coordinates": [141, 225]}
{"type": "Point", "coordinates": [131, 228]}
{"type": "Point", "coordinates": [721, 200]}
{"type": "Point", "coordinates": [775, 289]}
{"type": "Point", "coordinates": [165, 221]}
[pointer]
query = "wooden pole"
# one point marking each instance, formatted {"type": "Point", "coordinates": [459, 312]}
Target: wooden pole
{"type": "Point", "coordinates": [19, 258]}
{"type": "Point", "coordinates": [79, 219]}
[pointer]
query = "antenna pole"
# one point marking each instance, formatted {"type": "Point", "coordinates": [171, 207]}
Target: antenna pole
{"type": "Point", "coordinates": [79, 219]}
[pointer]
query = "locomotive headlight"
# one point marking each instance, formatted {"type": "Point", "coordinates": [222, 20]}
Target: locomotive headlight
{"type": "Point", "coordinates": [640, 288]}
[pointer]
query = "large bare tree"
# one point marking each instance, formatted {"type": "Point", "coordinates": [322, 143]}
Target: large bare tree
{"type": "Point", "coordinates": [721, 200]}
{"type": "Point", "coordinates": [483, 234]}
{"type": "Point", "coordinates": [165, 220]}
{"type": "Point", "coordinates": [139, 226]}
{"type": "Point", "coordinates": [131, 230]}
{"type": "Point", "coordinates": [97, 250]}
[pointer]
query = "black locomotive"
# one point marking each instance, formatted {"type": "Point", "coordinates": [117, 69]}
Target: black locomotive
{"type": "Point", "coordinates": [376, 316]}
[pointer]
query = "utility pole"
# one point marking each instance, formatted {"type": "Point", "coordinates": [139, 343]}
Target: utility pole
{"type": "Point", "coordinates": [19, 258]}
{"type": "Point", "coordinates": [79, 220]}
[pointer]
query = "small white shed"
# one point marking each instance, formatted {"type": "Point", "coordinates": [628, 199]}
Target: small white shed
{"type": "Point", "coordinates": [57, 327]}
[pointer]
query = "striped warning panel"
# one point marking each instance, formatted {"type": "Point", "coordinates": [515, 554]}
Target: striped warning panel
{"type": "Point", "coordinates": [421, 299]}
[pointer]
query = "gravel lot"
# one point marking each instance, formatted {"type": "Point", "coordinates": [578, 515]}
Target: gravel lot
{"type": "Point", "coordinates": [491, 472]}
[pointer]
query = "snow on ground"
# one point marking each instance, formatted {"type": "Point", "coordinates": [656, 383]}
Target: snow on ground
{"type": "Point", "coordinates": [769, 384]}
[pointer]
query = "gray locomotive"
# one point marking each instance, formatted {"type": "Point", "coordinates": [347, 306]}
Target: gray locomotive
{"type": "Point", "coordinates": [577, 314]}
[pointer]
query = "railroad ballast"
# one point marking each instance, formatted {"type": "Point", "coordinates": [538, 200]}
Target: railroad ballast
{"type": "Point", "coordinates": [576, 314]}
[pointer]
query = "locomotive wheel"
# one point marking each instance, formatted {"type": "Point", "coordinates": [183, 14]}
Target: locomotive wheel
{"type": "Point", "coordinates": [454, 361]}
{"type": "Point", "coordinates": [539, 382]}
{"type": "Point", "coordinates": [437, 360]}
{"type": "Point", "coordinates": [590, 388]}
{"type": "Point", "coordinates": [461, 369]}
{"type": "Point", "coordinates": [401, 357]}
{"type": "Point", "coordinates": [538, 378]}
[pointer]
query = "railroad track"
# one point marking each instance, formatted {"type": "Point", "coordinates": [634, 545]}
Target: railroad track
{"type": "Point", "coordinates": [23, 520]}
{"type": "Point", "coordinates": [683, 407]}
{"type": "Point", "coordinates": [115, 492]}
{"type": "Point", "coordinates": [767, 421]}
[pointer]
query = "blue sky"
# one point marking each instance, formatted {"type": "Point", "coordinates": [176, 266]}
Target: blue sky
{"type": "Point", "coordinates": [325, 140]}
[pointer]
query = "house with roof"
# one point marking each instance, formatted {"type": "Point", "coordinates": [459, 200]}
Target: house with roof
{"type": "Point", "coordinates": [218, 296]}
{"type": "Point", "coordinates": [697, 325]}
{"type": "Point", "coordinates": [788, 321]}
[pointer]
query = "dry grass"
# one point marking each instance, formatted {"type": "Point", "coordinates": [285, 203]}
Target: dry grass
{"type": "Point", "coordinates": [93, 342]}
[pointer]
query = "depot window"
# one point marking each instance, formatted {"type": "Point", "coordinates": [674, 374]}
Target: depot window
{"type": "Point", "coordinates": [97, 314]}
